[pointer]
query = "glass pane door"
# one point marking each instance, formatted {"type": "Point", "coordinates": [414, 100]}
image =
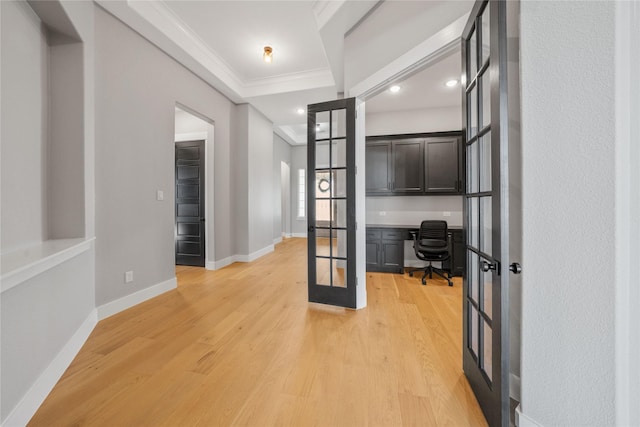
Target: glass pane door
{"type": "Point", "coordinates": [331, 207]}
{"type": "Point", "coordinates": [486, 349]}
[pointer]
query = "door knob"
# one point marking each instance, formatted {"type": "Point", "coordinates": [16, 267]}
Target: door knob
{"type": "Point", "coordinates": [515, 268]}
{"type": "Point", "coordinates": [488, 266]}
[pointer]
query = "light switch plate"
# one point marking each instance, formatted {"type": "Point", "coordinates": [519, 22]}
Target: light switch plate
{"type": "Point", "coordinates": [160, 195]}
{"type": "Point", "coordinates": [128, 277]}
{"type": "Point", "coordinates": [446, 213]}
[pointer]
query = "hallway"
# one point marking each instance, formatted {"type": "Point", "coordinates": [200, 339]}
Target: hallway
{"type": "Point", "coordinates": [242, 346]}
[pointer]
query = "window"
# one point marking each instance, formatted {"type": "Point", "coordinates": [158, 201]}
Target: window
{"type": "Point", "coordinates": [301, 193]}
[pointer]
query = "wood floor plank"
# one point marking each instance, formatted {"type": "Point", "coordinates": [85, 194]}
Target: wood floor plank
{"type": "Point", "coordinates": [242, 346]}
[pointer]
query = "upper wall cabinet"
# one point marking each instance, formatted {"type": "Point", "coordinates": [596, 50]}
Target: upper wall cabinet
{"type": "Point", "coordinates": [395, 167]}
{"type": "Point", "coordinates": [416, 164]}
{"type": "Point", "coordinates": [442, 165]}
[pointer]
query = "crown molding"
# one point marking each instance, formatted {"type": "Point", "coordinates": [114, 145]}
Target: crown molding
{"type": "Point", "coordinates": [429, 51]}
{"type": "Point", "coordinates": [290, 135]}
{"type": "Point", "coordinates": [285, 136]}
{"type": "Point", "coordinates": [304, 80]}
{"type": "Point", "coordinates": [155, 21]}
{"type": "Point", "coordinates": [325, 10]}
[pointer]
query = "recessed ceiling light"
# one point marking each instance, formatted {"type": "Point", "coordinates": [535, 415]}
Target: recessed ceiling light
{"type": "Point", "coordinates": [300, 110]}
{"type": "Point", "coordinates": [394, 89]}
{"type": "Point", "coordinates": [451, 83]}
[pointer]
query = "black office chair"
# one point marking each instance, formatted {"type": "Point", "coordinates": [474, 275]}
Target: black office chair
{"type": "Point", "coordinates": [431, 243]}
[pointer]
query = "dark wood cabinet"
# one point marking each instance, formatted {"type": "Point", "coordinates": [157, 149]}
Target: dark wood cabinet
{"type": "Point", "coordinates": [378, 165]}
{"type": "Point", "coordinates": [385, 250]}
{"type": "Point", "coordinates": [442, 165]}
{"type": "Point", "coordinates": [415, 164]}
{"type": "Point", "coordinates": [407, 166]}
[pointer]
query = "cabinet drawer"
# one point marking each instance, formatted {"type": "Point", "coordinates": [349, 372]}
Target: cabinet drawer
{"type": "Point", "coordinates": [393, 234]}
{"type": "Point", "coordinates": [374, 234]}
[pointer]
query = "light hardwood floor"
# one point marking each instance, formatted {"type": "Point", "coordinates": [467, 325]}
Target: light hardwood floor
{"type": "Point", "coordinates": [242, 346]}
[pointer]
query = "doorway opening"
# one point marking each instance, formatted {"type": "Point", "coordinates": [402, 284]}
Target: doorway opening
{"type": "Point", "coordinates": [285, 191]}
{"type": "Point", "coordinates": [193, 231]}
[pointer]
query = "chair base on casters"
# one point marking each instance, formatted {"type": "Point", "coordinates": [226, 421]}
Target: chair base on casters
{"type": "Point", "coordinates": [430, 269]}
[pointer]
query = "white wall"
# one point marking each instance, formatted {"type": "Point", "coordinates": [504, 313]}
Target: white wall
{"type": "Point", "coordinates": [24, 127]}
{"type": "Point", "coordinates": [137, 87]}
{"type": "Point", "coordinates": [414, 121]}
{"type": "Point", "coordinates": [568, 283]}
{"type": "Point", "coordinates": [391, 30]}
{"type": "Point", "coordinates": [281, 153]}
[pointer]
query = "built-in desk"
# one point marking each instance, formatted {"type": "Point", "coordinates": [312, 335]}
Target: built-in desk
{"type": "Point", "coordinates": [385, 248]}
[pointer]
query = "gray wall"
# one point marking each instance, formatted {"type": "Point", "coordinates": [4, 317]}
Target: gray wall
{"type": "Point", "coordinates": [24, 127]}
{"type": "Point", "coordinates": [568, 284]}
{"type": "Point", "coordinates": [281, 153]}
{"type": "Point", "coordinates": [39, 316]}
{"type": "Point", "coordinates": [137, 87]}
{"type": "Point", "coordinates": [260, 181]}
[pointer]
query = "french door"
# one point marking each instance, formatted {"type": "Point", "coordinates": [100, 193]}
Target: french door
{"type": "Point", "coordinates": [331, 202]}
{"type": "Point", "coordinates": [486, 209]}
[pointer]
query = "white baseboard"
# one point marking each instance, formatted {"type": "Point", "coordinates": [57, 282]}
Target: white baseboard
{"type": "Point", "coordinates": [524, 421]}
{"type": "Point", "coordinates": [255, 255]}
{"type": "Point", "coordinates": [113, 307]}
{"type": "Point", "coordinates": [216, 265]}
{"type": "Point", "coordinates": [277, 240]}
{"type": "Point", "coordinates": [287, 235]}
{"type": "Point", "coordinates": [38, 392]}
{"type": "Point", "coordinates": [514, 387]}
{"type": "Point", "coordinates": [298, 234]}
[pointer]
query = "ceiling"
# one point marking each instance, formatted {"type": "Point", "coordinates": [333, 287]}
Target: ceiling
{"type": "Point", "coordinates": [222, 42]}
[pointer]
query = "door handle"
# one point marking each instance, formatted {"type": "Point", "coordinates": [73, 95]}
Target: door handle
{"type": "Point", "coordinates": [486, 266]}
{"type": "Point", "coordinates": [515, 268]}
{"type": "Point", "coordinates": [201, 219]}
{"type": "Point", "coordinates": [312, 229]}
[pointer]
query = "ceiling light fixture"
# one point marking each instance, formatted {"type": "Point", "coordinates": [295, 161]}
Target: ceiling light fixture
{"type": "Point", "coordinates": [300, 110]}
{"type": "Point", "coordinates": [451, 83]}
{"type": "Point", "coordinates": [394, 89]}
{"type": "Point", "coordinates": [267, 56]}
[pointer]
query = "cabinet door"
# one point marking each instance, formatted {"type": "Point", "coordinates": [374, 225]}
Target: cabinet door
{"type": "Point", "coordinates": [392, 255]}
{"type": "Point", "coordinates": [377, 161]}
{"type": "Point", "coordinates": [408, 167]}
{"type": "Point", "coordinates": [373, 252]}
{"type": "Point", "coordinates": [442, 165]}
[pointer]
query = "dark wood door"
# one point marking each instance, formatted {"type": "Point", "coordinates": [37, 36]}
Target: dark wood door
{"type": "Point", "coordinates": [189, 229]}
{"type": "Point", "coordinates": [408, 167]}
{"type": "Point", "coordinates": [331, 159]}
{"type": "Point", "coordinates": [486, 209]}
{"type": "Point", "coordinates": [377, 165]}
{"type": "Point", "coordinates": [442, 165]}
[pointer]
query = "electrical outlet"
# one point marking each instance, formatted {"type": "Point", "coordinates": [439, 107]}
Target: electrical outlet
{"type": "Point", "coordinates": [383, 213]}
{"type": "Point", "coordinates": [160, 195]}
{"type": "Point", "coordinates": [128, 277]}
{"type": "Point", "coordinates": [446, 213]}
